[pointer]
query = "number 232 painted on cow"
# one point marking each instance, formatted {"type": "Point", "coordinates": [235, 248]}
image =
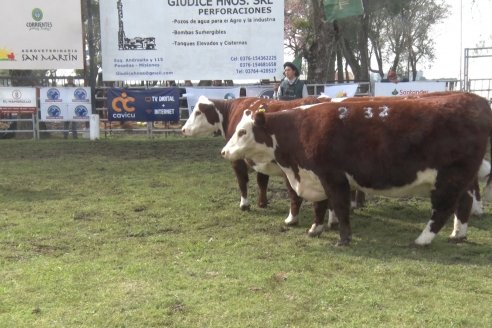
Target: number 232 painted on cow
{"type": "Point", "coordinates": [368, 112]}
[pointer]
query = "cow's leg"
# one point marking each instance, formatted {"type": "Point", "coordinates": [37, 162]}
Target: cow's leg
{"type": "Point", "coordinates": [339, 191]}
{"type": "Point", "coordinates": [262, 181]}
{"type": "Point", "coordinates": [357, 198]}
{"type": "Point", "coordinates": [360, 199]}
{"type": "Point", "coordinates": [450, 185]}
{"type": "Point", "coordinates": [332, 218]}
{"type": "Point", "coordinates": [295, 205]}
{"type": "Point", "coordinates": [353, 198]}
{"type": "Point", "coordinates": [461, 217]}
{"type": "Point", "coordinates": [318, 226]}
{"type": "Point", "coordinates": [241, 170]}
{"type": "Point", "coordinates": [477, 206]}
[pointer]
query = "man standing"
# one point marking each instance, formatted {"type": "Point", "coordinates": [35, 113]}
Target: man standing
{"type": "Point", "coordinates": [291, 87]}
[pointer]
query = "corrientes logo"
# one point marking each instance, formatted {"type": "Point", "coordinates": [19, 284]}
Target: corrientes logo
{"type": "Point", "coordinates": [37, 14]}
{"type": "Point", "coordinates": [38, 24]}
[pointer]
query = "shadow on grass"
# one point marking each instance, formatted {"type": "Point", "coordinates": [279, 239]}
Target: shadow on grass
{"type": "Point", "coordinates": [386, 230]}
{"type": "Point", "coordinates": [28, 195]}
{"type": "Point", "coordinates": [388, 234]}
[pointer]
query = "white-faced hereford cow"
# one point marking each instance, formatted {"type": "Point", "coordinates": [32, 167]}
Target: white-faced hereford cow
{"type": "Point", "coordinates": [392, 147]}
{"type": "Point", "coordinates": [221, 116]}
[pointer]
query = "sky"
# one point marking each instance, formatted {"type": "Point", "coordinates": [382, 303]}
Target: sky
{"type": "Point", "coordinates": [476, 26]}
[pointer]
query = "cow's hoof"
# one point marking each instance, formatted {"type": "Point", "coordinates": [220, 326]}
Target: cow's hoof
{"type": "Point", "coordinates": [316, 230]}
{"type": "Point", "coordinates": [291, 223]}
{"type": "Point", "coordinates": [457, 240]}
{"type": "Point", "coordinates": [263, 205]}
{"type": "Point", "coordinates": [291, 220]}
{"type": "Point", "coordinates": [333, 226]}
{"type": "Point", "coordinates": [245, 207]}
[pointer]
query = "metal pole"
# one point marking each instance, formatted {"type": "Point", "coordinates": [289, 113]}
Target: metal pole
{"type": "Point", "coordinates": [461, 45]}
{"type": "Point", "coordinates": [465, 86]}
{"type": "Point", "coordinates": [84, 43]}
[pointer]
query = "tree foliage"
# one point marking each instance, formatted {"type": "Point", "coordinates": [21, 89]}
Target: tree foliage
{"type": "Point", "coordinates": [392, 33]}
{"type": "Point", "coordinates": [400, 32]}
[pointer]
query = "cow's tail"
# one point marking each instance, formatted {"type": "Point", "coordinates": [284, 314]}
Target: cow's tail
{"type": "Point", "coordinates": [487, 194]}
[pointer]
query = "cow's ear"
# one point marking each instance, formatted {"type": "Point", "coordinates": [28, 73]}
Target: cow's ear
{"type": "Point", "coordinates": [260, 118]}
{"type": "Point", "coordinates": [263, 107]}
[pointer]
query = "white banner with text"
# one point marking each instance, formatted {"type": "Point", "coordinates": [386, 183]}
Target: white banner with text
{"type": "Point", "coordinates": [260, 91]}
{"type": "Point", "coordinates": [407, 88]}
{"type": "Point", "coordinates": [41, 34]}
{"type": "Point", "coordinates": [192, 39]}
{"type": "Point", "coordinates": [341, 90]}
{"type": "Point", "coordinates": [192, 94]}
{"type": "Point", "coordinates": [17, 99]}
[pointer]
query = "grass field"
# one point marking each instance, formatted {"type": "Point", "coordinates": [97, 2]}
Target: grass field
{"type": "Point", "coordinates": [148, 233]}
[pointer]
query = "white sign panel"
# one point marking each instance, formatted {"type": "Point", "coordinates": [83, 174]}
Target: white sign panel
{"type": "Point", "coordinates": [54, 112]}
{"type": "Point", "coordinates": [65, 104]}
{"type": "Point", "coordinates": [192, 94]}
{"type": "Point", "coordinates": [192, 39]}
{"type": "Point", "coordinates": [41, 34]}
{"type": "Point", "coordinates": [407, 88]}
{"type": "Point", "coordinates": [261, 91]}
{"type": "Point", "coordinates": [18, 99]}
{"type": "Point", "coordinates": [79, 111]}
{"type": "Point", "coordinates": [341, 90]}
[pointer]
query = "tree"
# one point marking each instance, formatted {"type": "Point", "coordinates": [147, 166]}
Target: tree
{"type": "Point", "coordinates": [399, 32]}
{"type": "Point", "coordinates": [394, 32]}
{"type": "Point", "coordinates": [327, 46]}
{"type": "Point", "coordinates": [306, 35]}
{"type": "Point", "coordinates": [92, 38]}
{"type": "Point", "coordinates": [297, 27]}
{"type": "Point", "coordinates": [320, 50]}
{"type": "Point", "coordinates": [419, 44]}
{"type": "Point", "coordinates": [383, 33]}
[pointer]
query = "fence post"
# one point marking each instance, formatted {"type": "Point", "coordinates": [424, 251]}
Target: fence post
{"type": "Point", "coordinates": [93, 126]}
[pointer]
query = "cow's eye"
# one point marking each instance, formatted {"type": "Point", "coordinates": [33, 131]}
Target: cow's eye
{"type": "Point", "coordinates": [241, 132]}
{"type": "Point", "coordinates": [198, 113]}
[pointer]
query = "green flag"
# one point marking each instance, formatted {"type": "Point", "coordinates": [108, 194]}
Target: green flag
{"type": "Point", "coordinates": [336, 9]}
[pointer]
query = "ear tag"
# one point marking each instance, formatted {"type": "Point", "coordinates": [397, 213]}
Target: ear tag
{"type": "Point", "coordinates": [261, 109]}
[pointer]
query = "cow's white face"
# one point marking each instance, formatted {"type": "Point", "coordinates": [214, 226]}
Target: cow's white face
{"type": "Point", "coordinates": [198, 125]}
{"type": "Point", "coordinates": [243, 143]}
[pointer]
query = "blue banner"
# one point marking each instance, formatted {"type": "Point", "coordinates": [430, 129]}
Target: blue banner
{"type": "Point", "coordinates": [143, 105]}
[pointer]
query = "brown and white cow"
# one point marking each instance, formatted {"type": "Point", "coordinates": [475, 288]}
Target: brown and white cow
{"type": "Point", "coordinates": [222, 116]}
{"type": "Point", "coordinates": [430, 145]}
{"type": "Point", "coordinates": [477, 207]}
